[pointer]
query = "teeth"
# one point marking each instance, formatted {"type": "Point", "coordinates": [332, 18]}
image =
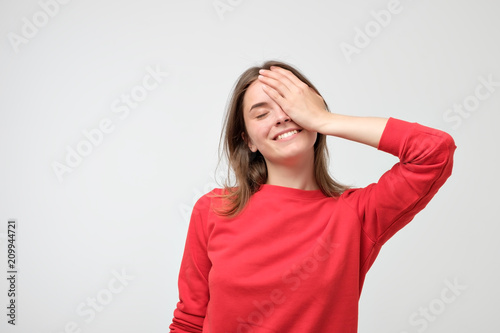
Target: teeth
{"type": "Point", "coordinates": [287, 134]}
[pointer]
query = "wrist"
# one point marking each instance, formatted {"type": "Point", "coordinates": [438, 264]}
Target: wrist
{"type": "Point", "coordinates": [328, 123]}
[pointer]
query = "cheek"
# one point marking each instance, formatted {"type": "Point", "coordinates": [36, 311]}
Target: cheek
{"type": "Point", "coordinates": [259, 133]}
{"type": "Point", "coordinates": [309, 134]}
{"type": "Point", "coordinates": [313, 136]}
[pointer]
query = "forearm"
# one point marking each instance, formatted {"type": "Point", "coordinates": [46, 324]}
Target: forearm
{"type": "Point", "coordinates": [366, 130]}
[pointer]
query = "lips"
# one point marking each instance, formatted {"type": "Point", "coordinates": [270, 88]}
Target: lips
{"type": "Point", "coordinates": [287, 133]}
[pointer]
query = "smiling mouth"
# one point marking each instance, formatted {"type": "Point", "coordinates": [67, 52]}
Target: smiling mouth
{"type": "Point", "coordinates": [287, 134]}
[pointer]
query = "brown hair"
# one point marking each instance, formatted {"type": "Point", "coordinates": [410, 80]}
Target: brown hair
{"type": "Point", "coordinates": [250, 170]}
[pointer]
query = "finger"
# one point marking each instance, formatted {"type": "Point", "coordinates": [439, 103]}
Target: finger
{"type": "Point", "coordinates": [275, 84]}
{"type": "Point", "coordinates": [278, 77]}
{"type": "Point", "coordinates": [292, 78]}
{"type": "Point", "coordinates": [275, 95]}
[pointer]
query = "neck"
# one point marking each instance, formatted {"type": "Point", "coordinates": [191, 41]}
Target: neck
{"type": "Point", "coordinates": [297, 173]}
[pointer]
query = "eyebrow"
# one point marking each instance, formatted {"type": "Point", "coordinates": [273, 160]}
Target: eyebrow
{"type": "Point", "coordinates": [258, 105]}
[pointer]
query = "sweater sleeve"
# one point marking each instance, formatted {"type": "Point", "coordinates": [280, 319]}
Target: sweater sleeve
{"type": "Point", "coordinates": [193, 275]}
{"type": "Point", "coordinates": [425, 163]}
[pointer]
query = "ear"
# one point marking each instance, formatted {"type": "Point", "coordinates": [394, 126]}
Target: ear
{"type": "Point", "coordinates": [249, 142]}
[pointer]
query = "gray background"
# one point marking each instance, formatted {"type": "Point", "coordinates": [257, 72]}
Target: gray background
{"type": "Point", "coordinates": [124, 209]}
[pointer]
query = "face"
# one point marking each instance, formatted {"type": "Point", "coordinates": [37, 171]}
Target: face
{"type": "Point", "coordinates": [271, 131]}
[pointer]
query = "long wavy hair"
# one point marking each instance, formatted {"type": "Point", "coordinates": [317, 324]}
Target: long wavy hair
{"type": "Point", "coordinates": [249, 169]}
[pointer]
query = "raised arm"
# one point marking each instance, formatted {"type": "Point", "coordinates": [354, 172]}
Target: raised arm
{"type": "Point", "coordinates": [366, 130]}
{"type": "Point", "coordinates": [307, 109]}
{"type": "Point", "coordinates": [426, 155]}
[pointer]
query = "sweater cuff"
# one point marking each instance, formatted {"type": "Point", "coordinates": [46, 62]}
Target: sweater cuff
{"type": "Point", "coordinates": [394, 135]}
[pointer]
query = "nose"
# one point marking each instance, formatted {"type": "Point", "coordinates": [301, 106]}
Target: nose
{"type": "Point", "coordinates": [281, 116]}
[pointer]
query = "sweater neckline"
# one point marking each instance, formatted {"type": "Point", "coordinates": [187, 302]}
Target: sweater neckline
{"type": "Point", "coordinates": [290, 192]}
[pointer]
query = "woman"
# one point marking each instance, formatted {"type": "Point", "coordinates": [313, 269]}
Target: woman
{"type": "Point", "coordinates": [287, 248]}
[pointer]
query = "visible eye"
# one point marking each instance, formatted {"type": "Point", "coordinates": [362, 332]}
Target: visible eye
{"type": "Point", "coordinates": [261, 115]}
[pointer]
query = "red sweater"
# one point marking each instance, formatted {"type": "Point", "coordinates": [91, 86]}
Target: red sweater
{"type": "Point", "coordinates": [295, 260]}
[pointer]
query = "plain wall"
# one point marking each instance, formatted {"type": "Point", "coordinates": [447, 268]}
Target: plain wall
{"type": "Point", "coordinates": [66, 69]}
